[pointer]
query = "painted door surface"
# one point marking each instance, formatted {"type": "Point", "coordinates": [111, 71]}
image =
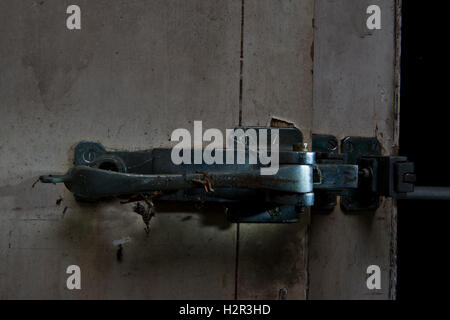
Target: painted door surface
{"type": "Point", "coordinates": [136, 71]}
{"type": "Point", "coordinates": [355, 94]}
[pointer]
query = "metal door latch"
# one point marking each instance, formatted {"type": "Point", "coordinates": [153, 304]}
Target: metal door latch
{"type": "Point", "coordinates": [360, 175]}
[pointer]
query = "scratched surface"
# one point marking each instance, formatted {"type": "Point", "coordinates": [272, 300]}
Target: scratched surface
{"type": "Point", "coordinates": [135, 72]}
{"type": "Point", "coordinates": [140, 69]}
{"type": "Point", "coordinates": [277, 83]}
{"type": "Point", "coordinates": [354, 90]}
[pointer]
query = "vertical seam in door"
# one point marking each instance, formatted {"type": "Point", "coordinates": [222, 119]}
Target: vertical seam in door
{"type": "Point", "coordinates": [241, 64]}
{"type": "Point", "coordinates": [308, 227]}
{"type": "Point", "coordinates": [392, 294]}
{"type": "Point", "coordinates": [241, 68]}
{"type": "Point", "coordinates": [236, 271]}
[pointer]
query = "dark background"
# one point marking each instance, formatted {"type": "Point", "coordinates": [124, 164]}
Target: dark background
{"type": "Point", "coordinates": [423, 229]}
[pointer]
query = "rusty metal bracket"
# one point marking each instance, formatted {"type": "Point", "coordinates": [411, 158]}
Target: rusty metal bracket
{"type": "Point", "coordinates": [359, 174]}
{"type": "Point", "coordinates": [99, 173]}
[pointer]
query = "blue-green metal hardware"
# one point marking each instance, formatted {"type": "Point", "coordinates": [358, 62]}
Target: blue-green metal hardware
{"type": "Point", "coordinates": [99, 173]}
{"type": "Point", "coordinates": [353, 169]}
{"type": "Point", "coordinates": [249, 196]}
{"type": "Point", "coordinates": [326, 148]}
{"type": "Point", "coordinates": [356, 150]}
{"type": "Point", "coordinates": [93, 183]}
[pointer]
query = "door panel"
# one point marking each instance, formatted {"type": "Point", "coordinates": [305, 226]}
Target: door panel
{"type": "Point", "coordinates": [139, 69]}
{"type": "Point", "coordinates": [354, 94]}
{"type": "Point", "coordinates": [136, 71]}
{"type": "Point", "coordinates": [277, 84]}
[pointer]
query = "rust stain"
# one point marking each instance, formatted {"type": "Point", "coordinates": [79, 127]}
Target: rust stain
{"type": "Point", "coordinates": [395, 150]}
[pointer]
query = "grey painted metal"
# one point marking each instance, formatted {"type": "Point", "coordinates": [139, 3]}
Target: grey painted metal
{"type": "Point", "coordinates": [154, 170]}
{"type": "Point", "coordinates": [427, 193]}
{"type": "Point", "coordinates": [93, 183]}
{"type": "Point", "coordinates": [337, 177]}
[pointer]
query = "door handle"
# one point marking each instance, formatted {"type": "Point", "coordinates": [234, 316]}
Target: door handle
{"type": "Point", "coordinates": [359, 174]}
{"type": "Point", "coordinates": [93, 183]}
{"type": "Point", "coordinates": [248, 195]}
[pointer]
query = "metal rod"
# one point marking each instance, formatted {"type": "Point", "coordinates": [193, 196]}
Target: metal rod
{"type": "Point", "coordinates": [428, 193]}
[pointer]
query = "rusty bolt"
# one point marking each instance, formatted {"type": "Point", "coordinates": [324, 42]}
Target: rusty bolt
{"type": "Point", "coordinates": [301, 147]}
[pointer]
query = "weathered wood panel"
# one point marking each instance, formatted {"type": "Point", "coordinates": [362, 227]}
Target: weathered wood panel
{"type": "Point", "coordinates": [354, 94]}
{"type": "Point", "coordinates": [134, 72]}
{"type": "Point", "coordinates": [277, 83]}
{"type": "Point", "coordinates": [139, 69]}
